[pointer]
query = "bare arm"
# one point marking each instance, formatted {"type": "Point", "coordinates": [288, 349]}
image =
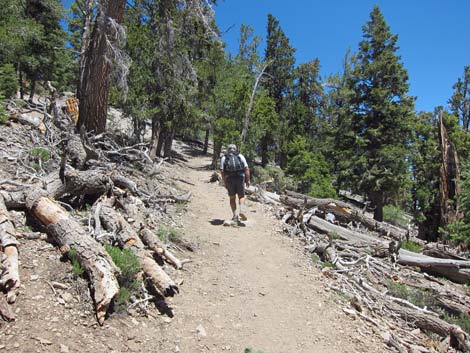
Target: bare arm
{"type": "Point", "coordinates": [247, 177]}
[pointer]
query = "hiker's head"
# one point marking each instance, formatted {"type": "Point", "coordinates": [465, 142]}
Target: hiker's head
{"type": "Point", "coordinates": [231, 148]}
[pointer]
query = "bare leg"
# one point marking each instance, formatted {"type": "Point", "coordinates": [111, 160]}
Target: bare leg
{"type": "Point", "coordinates": [233, 205]}
{"type": "Point", "coordinates": [241, 201]}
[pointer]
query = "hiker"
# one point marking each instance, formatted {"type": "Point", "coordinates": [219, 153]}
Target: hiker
{"type": "Point", "coordinates": [235, 174]}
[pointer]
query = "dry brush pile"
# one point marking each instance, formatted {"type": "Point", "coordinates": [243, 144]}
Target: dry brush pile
{"type": "Point", "coordinates": [418, 302]}
{"type": "Point", "coordinates": [94, 197]}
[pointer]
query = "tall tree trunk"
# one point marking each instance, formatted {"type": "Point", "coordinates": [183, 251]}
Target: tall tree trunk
{"type": "Point", "coordinates": [155, 136]}
{"type": "Point", "coordinates": [93, 105]}
{"type": "Point", "coordinates": [246, 122]}
{"type": "Point", "coordinates": [450, 176]}
{"type": "Point", "coordinates": [161, 140]}
{"type": "Point", "coordinates": [85, 40]}
{"type": "Point", "coordinates": [20, 78]}
{"type": "Point", "coordinates": [32, 89]}
{"type": "Point", "coordinates": [282, 160]}
{"type": "Point", "coordinates": [377, 199]}
{"type": "Point", "coordinates": [264, 151]}
{"type": "Point", "coordinates": [169, 142]}
{"type": "Point", "coordinates": [216, 155]}
{"type": "Point", "coordinates": [206, 141]}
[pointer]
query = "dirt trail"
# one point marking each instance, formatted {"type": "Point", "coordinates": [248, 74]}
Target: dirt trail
{"type": "Point", "coordinates": [245, 287]}
{"type": "Point", "coordinates": [252, 287]}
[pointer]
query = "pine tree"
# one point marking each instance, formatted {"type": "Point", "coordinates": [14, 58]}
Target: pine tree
{"type": "Point", "coordinates": [384, 117]}
{"type": "Point", "coordinates": [460, 100]}
{"type": "Point", "coordinates": [280, 58]}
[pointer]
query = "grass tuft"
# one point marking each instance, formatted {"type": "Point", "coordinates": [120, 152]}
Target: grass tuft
{"type": "Point", "coordinates": [129, 266]}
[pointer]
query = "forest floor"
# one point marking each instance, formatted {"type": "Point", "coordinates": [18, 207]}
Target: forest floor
{"type": "Point", "coordinates": [245, 287]}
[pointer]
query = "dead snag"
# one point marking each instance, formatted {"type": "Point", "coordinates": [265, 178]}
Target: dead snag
{"type": "Point", "coordinates": [70, 236]}
{"type": "Point", "coordinates": [129, 239]}
{"type": "Point", "coordinates": [9, 275]}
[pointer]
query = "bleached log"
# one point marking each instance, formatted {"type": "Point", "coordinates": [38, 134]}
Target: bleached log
{"type": "Point", "coordinates": [69, 235]}
{"type": "Point", "coordinates": [456, 270]}
{"type": "Point", "coordinates": [9, 274]}
{"type": "Point", "coordinates": [134, 209]}
{"type": "Point", "coordinates": [128, 238]}
{"type": "Point", "coordinates": [343, 210]}
{"type": "Point", "coordinates": [433, 324]}
{"type": "Point", "coordinates": [263, 196]}
{"type": "Point", "coordinates": [154, 244]}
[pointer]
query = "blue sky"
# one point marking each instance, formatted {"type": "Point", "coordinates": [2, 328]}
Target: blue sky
{"type": "Point", "coordinates": [433, 36]}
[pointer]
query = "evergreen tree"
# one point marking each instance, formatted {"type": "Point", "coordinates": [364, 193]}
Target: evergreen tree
{"type": "Point", "coordinates": [460, 100]}
{"type": "Point", "coordinates": [426, 164]}
{"type": "Point", "coordinates": [384, 118]}
{"type": "Point", "coordinates": [338, 113]}
{"type": "Point", "coordinates": [279, 56]}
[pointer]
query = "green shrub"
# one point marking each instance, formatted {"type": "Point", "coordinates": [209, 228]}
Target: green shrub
{"type": "Point", "coordinates": [462, 320]}
{"type": "Point", "coordinates": [273, 178]}
{"type": "Point", "coordinates": [77, 269]}
{"type": "Point", "coordinates": [8, 81]}
{"type": "Point", "coordinates": [328, 264]}
{"type": "Point", "coordinates": [411, 246]}
{"type": "Point", "coordinates": [415, 296]}
{"type": "Point", "coordinates": [3, 112]}
{"type": "Point", "coordinates": [129, 266]}
{"type": "Point", "coordinates": [309, 169]}
{"type": "Point", "coordinates": [162, 234]}
{"type": "Point", "coordinates": [40, 153]}
{"type": "Point", "coordinates": [396, 216]}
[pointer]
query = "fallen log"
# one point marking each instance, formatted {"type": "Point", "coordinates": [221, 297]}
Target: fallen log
{"type": "Point", "coordinates": [128, 238]}
{"type": "Point", "coordinates": [433, 324]}
{"type": "Point", "coordinates": [259, 194]}
{"type": "Point", "coordinates": [344, 211]}
{"type": "Point", "coordinates": [70, 236]}
{"type": "Point", "coordinates": [134, 209]}
{"type": "Point", "coordinates": [455, 270]}
{"type": "Point", "coordinates": [9, 274]}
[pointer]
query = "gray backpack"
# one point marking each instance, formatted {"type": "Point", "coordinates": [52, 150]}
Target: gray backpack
{"type": "Point", "coordinates": [233, 163]}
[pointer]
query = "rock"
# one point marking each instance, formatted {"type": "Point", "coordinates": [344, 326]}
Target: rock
{"type": "Point", "coordinates": [64, 349]}
{"type": "Point", "coordinates": [43, 341]}
{"type": "Point", "coordinates": [201, 331]}
{"type": "Point", "coordinates": [67, 297]}
{"type": "Point", "coordinates": [34, 277]}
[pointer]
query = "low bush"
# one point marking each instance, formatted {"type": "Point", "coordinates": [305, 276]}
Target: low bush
{"type": "Point", "coordinates": [411, 246]}
{"type": "Point", "coordinates": [129, 266]}
{"type": "Point", "coordinates": [395, 216]}
{"type": "Point", "coordinates": [273, 178]}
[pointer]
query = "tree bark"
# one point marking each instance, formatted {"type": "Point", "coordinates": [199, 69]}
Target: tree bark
{"type": "Point", "coordinates": [450, 176]}
{"type": "Point", "coordinates": [129, 239]}
{"type": "Point", "coordinates": [9, 274]}
{"type": "Point", "coordinates": [93, 104]}
{"type": "Point", "coordinates": [69, 235]}
{"type": "Point", "coordinates": [156, 129]}
{"type": "Point", "coordinates": [206, 141]}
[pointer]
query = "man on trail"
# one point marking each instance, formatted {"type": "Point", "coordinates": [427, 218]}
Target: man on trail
{"type": "Point", "coordinates": [235, 174]}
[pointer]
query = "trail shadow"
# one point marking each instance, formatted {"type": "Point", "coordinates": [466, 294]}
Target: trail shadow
{"type": "Point", "coordinates": [217, 222]}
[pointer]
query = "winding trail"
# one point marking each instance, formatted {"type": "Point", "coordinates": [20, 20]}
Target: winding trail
{"type": "Point", "coordinates": [252, 286]}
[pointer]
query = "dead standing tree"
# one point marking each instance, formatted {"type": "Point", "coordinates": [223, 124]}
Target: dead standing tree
{"type": "Point", "coordinates": [94, 85]}
{"type": "Point", "coordinates": [450, 176]}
